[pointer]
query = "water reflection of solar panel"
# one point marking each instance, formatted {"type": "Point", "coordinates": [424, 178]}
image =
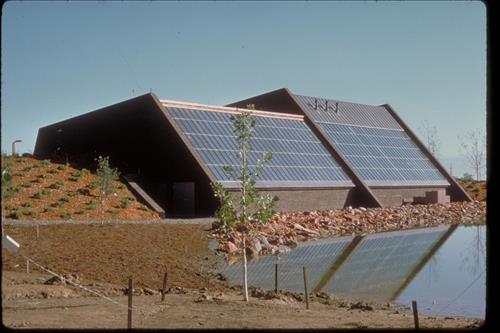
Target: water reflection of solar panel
{"type": "Point", "coordinates": [373, 267]}
{"type": "Point", "coordinates": [382, 262]}
{"type": "Point", "coordinates": [317, 256]}
{"type": "Point", "coordinates": [298, 155]}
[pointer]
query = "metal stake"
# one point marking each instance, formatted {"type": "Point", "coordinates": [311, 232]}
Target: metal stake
{"type": "Point", "coordinates": [415, 313]}
{"type": "Point", "coordinates": [130, 292]}
{"type": "Point", "coordinates": [305, 286]}
{"type": "Point", "coordinates": [164, 289]}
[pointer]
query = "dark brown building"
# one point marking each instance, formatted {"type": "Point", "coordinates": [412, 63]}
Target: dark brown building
{"type": "Point", "coordinates": [322, 159]}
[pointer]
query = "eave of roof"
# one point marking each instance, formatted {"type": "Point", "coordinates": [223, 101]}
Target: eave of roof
{"type": "Point", "coordinates": [226, 109]}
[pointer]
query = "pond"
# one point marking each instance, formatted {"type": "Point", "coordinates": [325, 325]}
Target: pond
{"type": "Point", "coordinates": [442, 268]}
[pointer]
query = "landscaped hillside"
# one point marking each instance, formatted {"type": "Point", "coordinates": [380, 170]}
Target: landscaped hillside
{"type": "Point", "coordinates": [476, 189]}
{"type": "Point", "coordinates": [42, 190]}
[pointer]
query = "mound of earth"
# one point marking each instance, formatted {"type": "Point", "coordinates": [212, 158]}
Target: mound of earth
{"type": "Point", "coordinates": [43, 190]}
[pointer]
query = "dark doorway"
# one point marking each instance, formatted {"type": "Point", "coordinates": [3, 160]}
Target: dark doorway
{"type": "Point", "coordinates": [183, 199]}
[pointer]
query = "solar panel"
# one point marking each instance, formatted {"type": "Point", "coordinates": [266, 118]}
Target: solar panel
{"type": "Point", "coordinates": [298, 155]}
{"type": "Point", "coordinates": [372, 141]}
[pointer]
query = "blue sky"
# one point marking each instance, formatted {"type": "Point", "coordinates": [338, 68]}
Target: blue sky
{"type": "Point", "coordinates": [426, 59]}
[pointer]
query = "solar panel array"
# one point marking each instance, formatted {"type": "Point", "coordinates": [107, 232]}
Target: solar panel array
{"type": "Point", "coordinates": [299, 158]}
{"type": "Point", "coordinates": [371, 140]}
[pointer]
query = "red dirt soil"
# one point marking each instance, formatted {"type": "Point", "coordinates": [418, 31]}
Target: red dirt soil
{"type": "Point", "coordinates": [113, 252]}
{"type": "Point", "coordinates": [39, 196]}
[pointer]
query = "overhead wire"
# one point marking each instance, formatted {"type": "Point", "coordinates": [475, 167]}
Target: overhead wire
{"type": "Point", "coordinates": [461, 294]}
{"type": "Point", "coordinates": [76, 284]}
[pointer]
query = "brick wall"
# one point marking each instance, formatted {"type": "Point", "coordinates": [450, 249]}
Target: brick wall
{"type": "Point", "coordinates": [309, 199]}
{"type": "Point", "coordinates": [390, 197]}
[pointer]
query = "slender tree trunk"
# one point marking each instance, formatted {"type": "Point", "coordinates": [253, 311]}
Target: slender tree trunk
{"type": "Point", "coordinates": [245, 271]}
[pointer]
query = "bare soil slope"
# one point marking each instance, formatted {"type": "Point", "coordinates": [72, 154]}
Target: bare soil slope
{"type": "Point", "coordinates": [113, 252]}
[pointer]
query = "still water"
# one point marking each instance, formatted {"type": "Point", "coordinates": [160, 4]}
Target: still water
{"type": "Point", "coordinates": [442, 268]}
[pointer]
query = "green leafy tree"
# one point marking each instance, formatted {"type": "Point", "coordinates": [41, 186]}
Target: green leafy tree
{"type": "Point", "coordinates": [106, 177]}
{"type": "Point", "coordinates": [238, 212]}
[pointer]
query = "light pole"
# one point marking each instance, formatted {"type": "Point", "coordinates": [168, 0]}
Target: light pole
{"type": "Point", "coordinates": [14, 146]}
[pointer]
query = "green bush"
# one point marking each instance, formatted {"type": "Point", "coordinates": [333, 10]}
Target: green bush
{"type": "Point", "coordinates": [26, 204]}
{"type": "Point", "coordinates": [92, 185]}
{"type": "Point", "coordinates": [84, 191]}
{"type": "Point", "coordinates": [10, 207]}
{"type": "Point", "coordinates": [53, 171]}
{"type": "Point", "coordinates": [58, 204]}
{"type": "Point", "coordinates": [63, 199]}
{"type": "Point", "coordinates": [125, 202]}
{"type": "Point", "coordinates": [56, 185]}
{"type": "Point", "coordinates": [27, 168]}
{"type": "Point", "coordinates": [37, 195]}
{"type": "Point", "coordinates": [73, 179]}
{"type": "Point", "coordinates": [29, 212]}
{"type": "Point", "coordinates": [72, 194]}
{"type": "Point", "coordinates": [65, 215]}
{"type": "Point", "coordinates": [120, 186]}
{"type": "Point", "coordinates": [80, 212]}
{"type": "Point", "coordinates": [14, 215]}
{"type": "Point", "coordinates": [84, 172]}
{"type": "Point", "coordinates": [76, 173]}
{"type": "Point", "coordinates": [48, 210]}
{"type": "Point", "coordinates": [91, 205]}
{"type": "Point", "coordinates": [45, 192]}
{"type": "Point", "coordinates": [26, 185]}
{"type": "Point", "coordinates": [45, 163]}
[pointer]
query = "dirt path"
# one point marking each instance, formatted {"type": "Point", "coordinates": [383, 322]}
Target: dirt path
{"type": "Point", "coordinates": [197, 309]}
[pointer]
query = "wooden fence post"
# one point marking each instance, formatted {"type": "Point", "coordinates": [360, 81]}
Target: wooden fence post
{"type": "Point", "coordinates": [415, 313]}
{"type": "Point", "coordinates": [130, 292]}
{"type": "Point", "coordinates": [305, 286]}
{"type": "Point", "coordinates": [164, 289]}
{"type": "Point", "coordinates": [27, 266]}
{"type": "Point", "coordinates": [276, 278]}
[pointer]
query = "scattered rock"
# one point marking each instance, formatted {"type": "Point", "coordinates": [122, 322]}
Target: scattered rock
{"type": "Point", "coordinates": [286, 229]}
{"type": "Point", "coordinates": [148, 291]}
{"type": "Point", "coordinates": [361, 306]}
{"type": "Point", "coordinates": [231, 247]}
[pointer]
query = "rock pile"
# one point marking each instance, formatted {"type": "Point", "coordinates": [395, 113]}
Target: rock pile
{"type": "Point", "coordinates": [286, 229]}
